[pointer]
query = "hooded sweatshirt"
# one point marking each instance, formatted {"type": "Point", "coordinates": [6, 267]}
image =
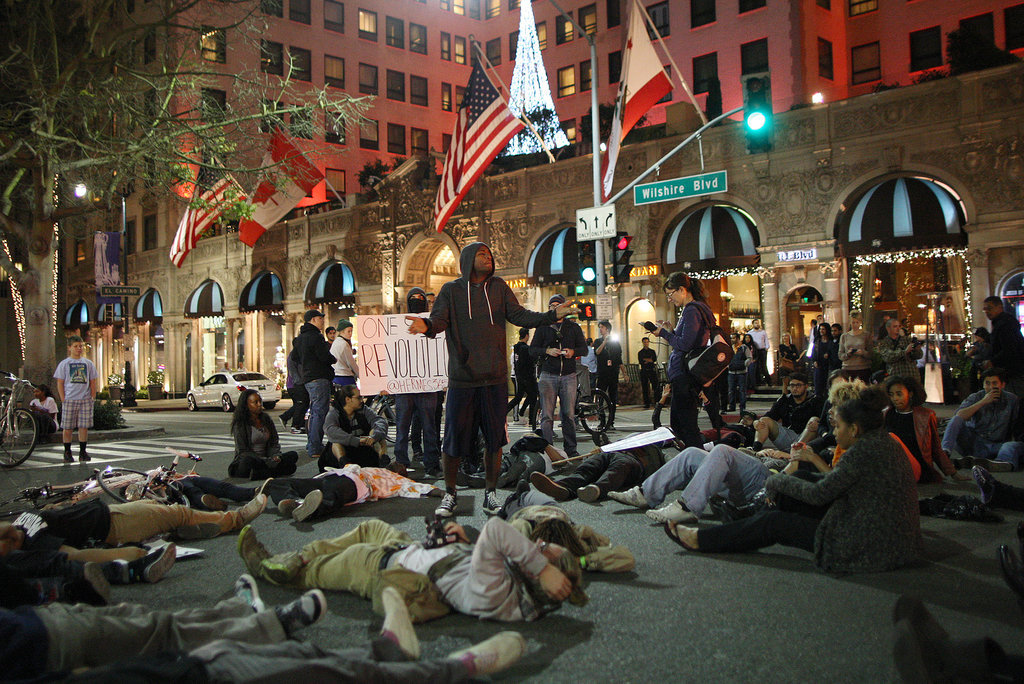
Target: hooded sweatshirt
{"type": "Point", "coordinates": [1007, 345]}
{"type": "Point", "coordinates": [473, 317]}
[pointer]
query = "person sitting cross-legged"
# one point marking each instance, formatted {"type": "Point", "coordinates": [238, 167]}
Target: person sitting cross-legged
{"type": "Point", "coordinates": [985, 426]}
{"type": "Point", "coordinates": [601, 473]}
{"type": "Point", "coordinates": [788, 416]}
{"type": "Point", "coordinates": [355, 434]}
{"type": "Point", "coordinates": [258, 452]}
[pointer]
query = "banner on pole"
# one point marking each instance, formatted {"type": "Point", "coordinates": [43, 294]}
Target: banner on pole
{"type": "Point", "coordinates": [107, 262]}
{"type": "Point", "coordinates": [391, 359]}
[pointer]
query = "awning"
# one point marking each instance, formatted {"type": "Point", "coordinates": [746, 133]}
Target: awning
{"type": "Point", "coordinates": [205, 300]}
{"type": "Point", "coordinates": [555, 258]}
{"type": "Point", "coordinates": [149, 308]}
{"type": "Point", "coordinates": [332, 283]}
{"type": "Point", "coordinates": [262, 293]}
{"type": "Point", "coordinates": [712, 237]}
{"type": "Point", "coordinates": [77, 315]}
{"type": "Point", "coordinates": [114, 311]}
{"type": "Point", "coordinates": [901, 214]}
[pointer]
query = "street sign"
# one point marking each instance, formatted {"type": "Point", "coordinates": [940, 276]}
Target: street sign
{"type": "Point", "coordinates": [679, 188]}
{"type": "Point", "coordinates": [595, 223]}
{"type": "Point", "coordinates": [119, 291]}
{"type": "Point", "coordinates": [605, 307]}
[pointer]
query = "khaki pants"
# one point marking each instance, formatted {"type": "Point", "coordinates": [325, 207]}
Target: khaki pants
{"type": "Point", "coordinates": [140, 520]}
{"type": "Point", "coordinates": [350, 562]}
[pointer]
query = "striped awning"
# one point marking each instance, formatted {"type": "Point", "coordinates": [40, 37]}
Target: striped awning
{"type": "Point", "coordinates": [555, 258]}
{"type": "Point", "coordinates": [262, 293]}
{"type": "Point", "coordinates": [901, 214]}
{"type": "Point", "coordinates": [713, 236]}
{"type": "Point", "coordinates": [77, 315]}
{"type": "Point", "coordinates": [205, 300]}
{"type": "Point", "coordinates": [109, 314]}
{"type": "Point", "coordinates": [149, 308]}
{"type": "Point", "coordinates": [333, 283]}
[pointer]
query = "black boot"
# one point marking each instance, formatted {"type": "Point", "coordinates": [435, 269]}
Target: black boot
{"type": "Point", "coordinates": [656, 416]}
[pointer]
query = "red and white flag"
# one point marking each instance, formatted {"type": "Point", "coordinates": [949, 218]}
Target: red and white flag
{"type": "Point", "coordinates": [210, 196]}
{"type": "Point", "coordinates": [642, 83]}
{"type": "Point", "coordinates": [483, 128]}
{"type": "Point", "coordinates": [296, 180]}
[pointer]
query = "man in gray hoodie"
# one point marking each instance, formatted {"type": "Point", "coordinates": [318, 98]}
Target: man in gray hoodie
{"type": "Point", "coordinates": [472, 311]}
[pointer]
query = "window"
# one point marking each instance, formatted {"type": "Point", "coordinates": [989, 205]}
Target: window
{"type": "Point", "coordinates": [542, 34]}
{"type": "Point", "coordinates": [149, 237]}
{"type": "Point", "coordinates": [705, 72]}
{"type": "Point", "coordinates": [862, 6]}
{"type": "Point", "coordinates": [214, 104]}
{"type": "Point", "coordinates": [513, 5]}
{"type": "Point", "coordinates": [926, 48]}
{"type": "Point", "coordinates": [981, 25]}
{"type": "Point", "coordinates": [826, 4]}
{"type": "Point", "coordinates": [569, 128]}
{"type": "Point", "coordinates": [459, 92]}
{"type": "Point", "coordinates": [460, 50]}
{"type": "Point", "coordinates": [1013, 20]}
{"type": "Point", "coordinates": [588, 19]}
{"type": "Point", "coordinates": [474, 8]}
{"type": "Point", "coordinates": [272, 8]}
{"type": "Point", "coordinates": [563, 30]}
{"type": "Point", "coordinates": [446, 97]}
{"type": "Point", "coordinates": [754, 56]}
{"type": "Point", "coordinates": [418, 141]}
{"type": "Point", "coordinates": [302, 64]}
{"type": "Point", "coordinates": [302, 124]}
{"type": "Point", "coordinates": [659, 15]}
{"type": "Point", "coordinates": [417, 38]}
{"type": "Point", "coordinates": [335, 183]}
{"type": "Point", "coordinates": [446, 5]}
{"type": "Point", "coordinates": [865, 63]}
{"type": "Point", "coordinates": [667, 97]}
{"type": "Point", "coordinates": [567, 81]}
{"type": "Point", "coordinates": [79, 250]}
{"type": "Point", "coordinates": [493, 8]}
{"type": "Point", "coordinates": [334, 71]}
{"type": "Point", "coordinates": [493, 49]}
{"type": "Point", "coordinates": [214, 45]}
{"type": "Point", "coordinates": [334, 130]}
{"type": "Point", "coordinates": [367, 79]}
{"type": "Point", "coordinates": [368, 25]}
{"type": "Point", "coordinates": [513, 44]}
{"type": "Point", "coordinates": [446, 46]}
{"type": "Point", "coordinates": [394, 30]}
{"type": "Point", "coordinates": [585, 76]}
{"type": "Point", "coordinates": [701, 12]}
{"type": "Point", "coordinates": [334, 16]}
{"type": "Point", "coordinates": [825, 59]}
{"type": "Point", "coordinates": [149, 48]}
{"type": "Point", "coordinates": [614, 66]}
{"type": "Point", "coordinates": [446, 141]}
{"type": "Point", "coordinates": [418, 91]}
{"type": "Point", "coordinates": [298, 10]}
{"type": "Point", "coordinates": [129, 236]}
{"type": "Point", "coordinates": [369, 136]}
{"type": "Point", "coordinates": [748, 5]}
{"type": "Point", "coordinates": [271, 57]}
{"type": "Point", "coordinates": [614, 13]}
{"type": "Point", "coordinates": [396, 85]}
{"type": "Point", "coordinates": [396, 138]}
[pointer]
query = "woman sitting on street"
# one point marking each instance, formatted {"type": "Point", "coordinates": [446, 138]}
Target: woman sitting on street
{"type": "Point", "coordinates": [258, 452]}
{"type": "Point", "coordinates": [918, 428]}
{"type": "Point", "coordinates": [870, 520]}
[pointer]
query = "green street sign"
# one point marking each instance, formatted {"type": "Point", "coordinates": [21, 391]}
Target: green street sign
{"type": "Point", "coordinates": [680, 188]}
{"type": "Point", "coordinates": [119, 291]}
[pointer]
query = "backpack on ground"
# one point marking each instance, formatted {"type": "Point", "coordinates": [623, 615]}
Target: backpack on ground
{"type": "Point", "coordinates": [707, 363]}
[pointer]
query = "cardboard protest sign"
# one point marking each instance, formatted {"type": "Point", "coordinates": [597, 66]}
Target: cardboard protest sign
{"type": "Point", "coordinates": [391, 359]}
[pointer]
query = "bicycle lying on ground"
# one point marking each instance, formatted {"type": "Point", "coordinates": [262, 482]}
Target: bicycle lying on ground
{"type": "Point", "coordinates": [17, 425]}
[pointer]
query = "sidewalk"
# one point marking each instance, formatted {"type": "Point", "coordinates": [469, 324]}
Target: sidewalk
{"type": "Point", "coordinates": [107, 435]}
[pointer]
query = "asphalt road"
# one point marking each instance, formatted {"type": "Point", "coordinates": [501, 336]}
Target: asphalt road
{"type": "Point", "coordinates": [768, 616]}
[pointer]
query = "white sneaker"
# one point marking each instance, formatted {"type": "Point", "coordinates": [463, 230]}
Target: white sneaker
{"type": "Point", "coordinates": [630, 497]}
{"type": "Point", "coordinates": [309, 505]}
{"type": "Point", "coordinates": [588, 494]}
{"type": "Point", "coordinates": [493, 655]}
{"type": "Point", "coordinates": [447, 507]}
{"type": "Point", "coordinates": [673, 512]}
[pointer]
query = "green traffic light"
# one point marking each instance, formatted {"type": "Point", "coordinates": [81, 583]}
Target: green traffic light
{"type": "Point", "coordinates": [588, 274]}
{"type": "Point", "coordinates": [756, 121]}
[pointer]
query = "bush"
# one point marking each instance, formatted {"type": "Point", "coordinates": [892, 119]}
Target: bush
{"type": "Point", "coordinates": [103, 394]}
{"type": "Point", "coordinates": [155, 377]}
{"type": "Point", "coordinates": [107, 416]}
{"type": "Point", "coordinates": [142, 393]}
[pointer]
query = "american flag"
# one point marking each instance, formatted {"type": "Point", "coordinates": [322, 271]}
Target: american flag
{"type": "Point", "coordinates": [210, 193]}
{"type": "Point", "coordinates": [483, 128]}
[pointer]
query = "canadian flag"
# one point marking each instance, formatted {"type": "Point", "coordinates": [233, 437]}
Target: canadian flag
{"type": "Point", "coordinates": [272, 200]}
{"type": "Point", "coordinates": [642, 83]}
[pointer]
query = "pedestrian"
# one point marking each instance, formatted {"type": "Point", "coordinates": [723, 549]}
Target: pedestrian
{"type": "Point", "coordinates": [742, 358]}
{"type": "Point", "coordinates": [788, 357]}
{"type": "Point", "coordinates": [761, 347]}
{"type": "Point", "coordinates": [317, 367]}
{"type": "Point", "coordinates": [527, 391]}
{"type": "Point", "coordinates": [330, 332]}
{"type": "Point", "coordinates": [77, 382]}
{"type": "Point", "coordinates": [898, 351]}
{"type": "Point", "coordinates": [589, 362]}
{"type": "Point", "coordinates": [855, 349]}
{"type": "Point", "coordinates": [649, 382]}
{"type": "Point", "coordinates": [346, 370]}
{"type": "Point", "coordinates": [824, 351]}
{"type": "Point", "coordinates": [1007, 345]}
{"type": "Point", "coordinates": [747, 341]}
{"type": "Point", "coordinates": [556, 347]}
{"type": "Point", "coordinates": [300, 397]}
{"type": "Point", "coordinates": [609, 360]}
{"type": "Point", "coordinates": [423, 404]}
{"type": "Point", "coordinates": [258, 452]}
{"type": "Point", "coordinates": [472, 312]}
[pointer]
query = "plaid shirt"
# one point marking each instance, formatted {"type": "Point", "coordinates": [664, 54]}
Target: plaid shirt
{"type": "Point", "coordinates": [897, 361]}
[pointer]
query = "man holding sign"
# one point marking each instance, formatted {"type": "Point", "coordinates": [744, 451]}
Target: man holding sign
{"type": "Point", "coordinates": [472, 311]}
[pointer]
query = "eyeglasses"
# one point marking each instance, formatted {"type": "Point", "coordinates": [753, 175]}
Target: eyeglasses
{"type": "Point", "coordinates": [797, 384]}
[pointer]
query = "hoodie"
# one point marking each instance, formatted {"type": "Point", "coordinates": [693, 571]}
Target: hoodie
{"type": "Point", "coordinates": [1007, 345]}
{"type": "Point", "coordinates": [314, 353]}
{"type": "Point", "coordinates": [473, 317]}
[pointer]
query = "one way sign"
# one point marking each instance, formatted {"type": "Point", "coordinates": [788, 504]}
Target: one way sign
{"type": "Point", "coordinates": [595, 223]}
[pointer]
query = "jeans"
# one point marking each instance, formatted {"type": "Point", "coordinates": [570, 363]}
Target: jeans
{"type": "Point", "coordinates": [703, 474]}
{"type": "Point", "coordinates": [194, 487]}
{"type": "Point", "coordinates": [684, 410]}
{"type": "Point", "coordinates": [562, 388]}
{"type": "Point", "coordinates": [650, 385]}
{"type": "Point", "coordinates": [423, 404]}
{"type": "Point", "coordinates": [765, 528]}
{"type": "Point", "coordinates": [319, 398]}
{"type": "Point", "coordinates": [959, 436]}
{"type": "Point", "coordinates": [738, 390]}
{"type": "Point", "coordinates": [526, 392]}
{"type": "Point", "coordinates": [338, 490]}
{"type": "Point", "coordinates": [608, 380]}
{"type": "Point", "coordinates": [300, 403]}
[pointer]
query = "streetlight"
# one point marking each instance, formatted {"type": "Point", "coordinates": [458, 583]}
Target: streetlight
{"type": "Point", "coordinates": [80, 190]}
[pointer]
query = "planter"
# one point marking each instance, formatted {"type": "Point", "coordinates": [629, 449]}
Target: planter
{"type": "Point", "coordinates": [155, 391]}
{"type": "Point", "coordinates": [115, 393]}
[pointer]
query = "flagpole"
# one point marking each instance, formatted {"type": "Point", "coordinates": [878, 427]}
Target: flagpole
{"type": "Point", "coordinates": [525, 119]}
{"type": "Point", "coordinates": [675, 67]}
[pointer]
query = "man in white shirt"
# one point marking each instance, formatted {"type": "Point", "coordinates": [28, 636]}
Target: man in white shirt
{"type": "Point", "coordinates": [761, 347]}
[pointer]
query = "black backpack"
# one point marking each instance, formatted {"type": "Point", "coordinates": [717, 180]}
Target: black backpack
{"type": "Point", "coordinates": [707, 363]}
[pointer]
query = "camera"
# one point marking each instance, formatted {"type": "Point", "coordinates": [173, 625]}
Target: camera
{"type": "Point", "coordinates": [436, 535]}
{"type": "Point", "coordinates": [914, 341]}
{"type": "Point", "coordinates": [648, 326]}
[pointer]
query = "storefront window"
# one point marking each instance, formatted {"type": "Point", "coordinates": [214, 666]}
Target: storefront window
{"type": "Point", "coordinates": [1013, 296]}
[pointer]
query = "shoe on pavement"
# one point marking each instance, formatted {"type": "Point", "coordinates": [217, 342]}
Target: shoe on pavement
{"type": "Point", "coordinates": [433, 473]}
{"type": "Point", "coordinates": [446, 509]}
{"type": "Point", "coordinates": [493, 655]}
{"type": "Point", "coordinates": [250, 511]}
{"type": "Point", "coordinates": [673, 513]}
{"type": "Point", "coordinates": [309, 505]}
{"type": "Point", "coordinates": [397, 623]}
{"type": "Point", "coordinates": [994, 466]}
{"type": "Point", "coordinates": [262, 489]}
{"type": "Point", "coordinates": [251, 550]}
{"type": "Point", "coordinates": [282, 568]}
{"type": "Point", "coordinates": [93, 575]}
{"type": "Point", "coordinates": [631, 497]}
{"type": "Point", "coordinates": [84, 457]}
{"type": "Point", "coordinates": [296, 431]}
{"type": "Point", "coordinates": [986, 483]}
{"type": "Point", "coordinates": [246, 589]}
{"type": "Point", "coordinates": [214, 503]}
{"type": "Point", "coordinates": [302, 612]}
{"type": "Point", "coordinates": [399, 468]}
{"type": "Point", "coordinates": [151, 567]}
{"type": "Point", "coordinates": [589, 493]}
{"type": "Point", "coordinates": [491, 505]}
{"type": "Point", "coordinates": [287, 506]}
{"type": "Point", "coordinates": [548, 486]}
{"type": "Point", "coordinates": [68, 458]}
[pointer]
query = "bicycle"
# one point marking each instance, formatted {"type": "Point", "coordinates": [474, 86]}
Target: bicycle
{"type": "Point", "coordinates": [57, 496]}
{"type": "Point", "coordinates": [592, 414]}
{"type": "Point", "coordinates": [159, 484]}
{"type": "Point", "coordinates": [18, 428]}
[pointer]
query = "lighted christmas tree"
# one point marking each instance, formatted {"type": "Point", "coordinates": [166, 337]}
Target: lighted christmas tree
{"type": "Point", "coordinates": [531, 94]}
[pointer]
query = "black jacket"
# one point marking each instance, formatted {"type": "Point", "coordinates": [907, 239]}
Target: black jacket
{"type": "Point", "coordinates": [314, 353]}
{"type": "Point", "coordinates": [1007, 345]}
{"type": "Point", "coordinates": [566, 335]}
{"type": "Point", "coordinates": [786, 412]}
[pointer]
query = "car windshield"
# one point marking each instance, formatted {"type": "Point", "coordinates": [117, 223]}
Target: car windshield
{"type": "Point", "coordinates": [242, 377]}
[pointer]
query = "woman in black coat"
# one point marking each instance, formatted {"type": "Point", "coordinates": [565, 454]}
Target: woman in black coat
{"type": "Point", "coordinates": [258, 452]}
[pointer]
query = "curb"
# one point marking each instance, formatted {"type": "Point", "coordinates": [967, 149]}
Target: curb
{"type": "Point", "coordinates": [107, 435]}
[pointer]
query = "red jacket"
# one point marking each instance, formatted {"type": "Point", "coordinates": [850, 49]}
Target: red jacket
{"type": "Point", "coordinates": [926, 428]}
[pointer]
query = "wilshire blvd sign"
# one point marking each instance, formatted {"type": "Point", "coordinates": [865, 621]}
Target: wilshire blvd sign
{"type": "Point", "coordinates": [679, 188]}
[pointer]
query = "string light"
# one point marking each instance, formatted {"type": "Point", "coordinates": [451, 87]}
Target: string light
{"type": "Point", "coordinates": [19, 305]}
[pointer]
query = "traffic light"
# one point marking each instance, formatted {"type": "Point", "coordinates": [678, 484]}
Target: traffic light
{"type": "Point", "coordinates": [621, 254]}
{"type": "Point", "coordinates": [587, 261]}
{"type": "Point", "coordinates": [757, 111]}
{"type": "Point", "coordinates": [588, 311]}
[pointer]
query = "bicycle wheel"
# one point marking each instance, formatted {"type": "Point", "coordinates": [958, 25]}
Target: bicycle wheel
{"type": "Point", "coordinates": [18, 438]}
{"type": "Point", "coordinates": [593, 414]}
{"type": "Point", "coordinates": [114, 481]}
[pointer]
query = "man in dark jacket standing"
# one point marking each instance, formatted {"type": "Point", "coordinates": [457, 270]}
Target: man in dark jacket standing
{"type": "Point", "coordinates": [317, 374]}
{"type": "Point", "coordinates": [1007, 345]}
{"type": "Point", "coordinates": [609, 358]}
{"type": "Point", "coordinates": [472, 312]}
{"type": "Point", "coordinates": [558, 344]}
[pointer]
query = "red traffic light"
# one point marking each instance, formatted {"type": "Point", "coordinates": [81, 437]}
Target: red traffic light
{"type": "Point", "coordinates": [623, 242]}
{"type": "Point", "coordinates": [588, 311]}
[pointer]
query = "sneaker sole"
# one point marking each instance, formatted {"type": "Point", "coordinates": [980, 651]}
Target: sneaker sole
{"type": "Point", "coordinates": [308, 507]}
{"type": "Point", "coordinates": [156, 570]}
